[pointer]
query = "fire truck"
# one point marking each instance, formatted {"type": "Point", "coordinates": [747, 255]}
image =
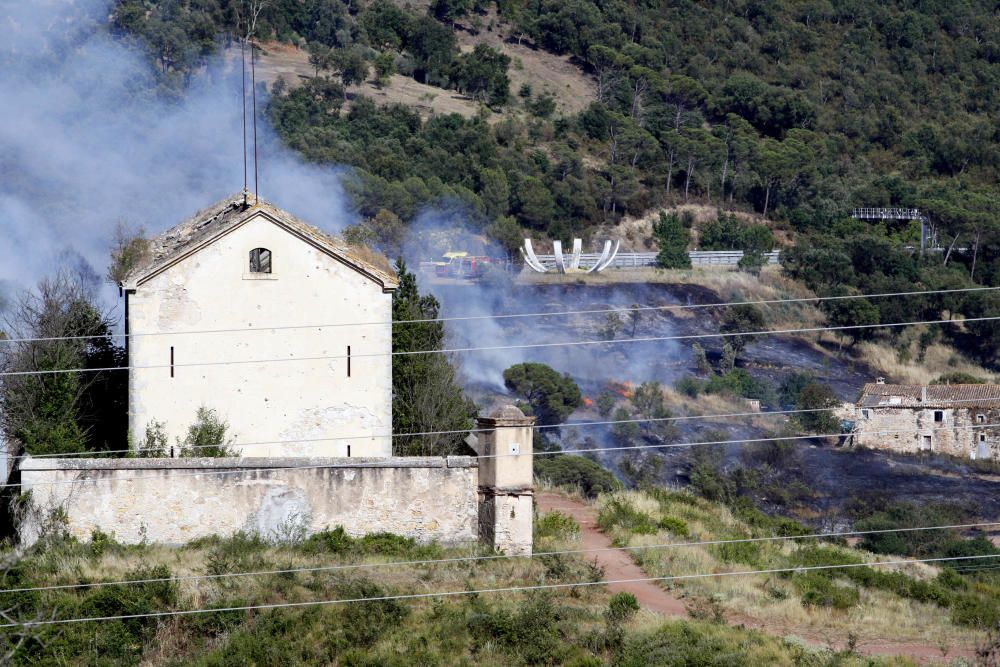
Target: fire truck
{"type": "Point", "coordinates": [460, 265]}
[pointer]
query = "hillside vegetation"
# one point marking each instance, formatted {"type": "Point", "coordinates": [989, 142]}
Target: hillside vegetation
{"type": "Point", "coordinates": [918, 603]}
{"type": "Point", "coordinates": [586, 627]}
{"type": "Point", "coordinates": [797, 111]}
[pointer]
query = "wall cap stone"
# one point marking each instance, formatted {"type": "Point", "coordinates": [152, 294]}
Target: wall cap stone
{"type": "Point", "coordinates": [28, 464]}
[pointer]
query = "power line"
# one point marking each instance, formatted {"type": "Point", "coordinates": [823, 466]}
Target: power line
{"type": "Point", "coordinates": [253, 469]}
{"type": "Point", "coordinates": [509, 589]}
{"type": "Point", "coordinates": [502, 316]}
{"type": "Point", "coordinates": [609, 422]}
{"type": "Point", "coordinates": [462, 559]}
{"type": "Point", "coordinates": [637, 420]}
{"type": "Point", "coordinates": [489, 348]}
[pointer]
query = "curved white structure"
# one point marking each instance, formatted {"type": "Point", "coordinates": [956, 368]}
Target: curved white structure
{"type": "Point", "coordinates": [530, 258]}
{"type": "Point", "coordinates": [542, 264]}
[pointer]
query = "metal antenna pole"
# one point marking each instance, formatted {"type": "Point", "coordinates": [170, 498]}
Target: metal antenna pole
{"type": "Point", "coordinates": [243, 81]}
{"type": "Point", "coordinates": [253, 94]}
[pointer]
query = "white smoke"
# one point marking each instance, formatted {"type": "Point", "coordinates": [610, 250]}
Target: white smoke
{"type": "Point", "coordinates": [85, 141]}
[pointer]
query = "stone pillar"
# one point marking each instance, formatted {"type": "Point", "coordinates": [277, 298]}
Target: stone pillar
{"type": "Point", "coordinates": [506, 481]}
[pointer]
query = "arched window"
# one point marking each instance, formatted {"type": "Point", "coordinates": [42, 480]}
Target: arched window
{"type": "Point", "coordinates": [260, 260]}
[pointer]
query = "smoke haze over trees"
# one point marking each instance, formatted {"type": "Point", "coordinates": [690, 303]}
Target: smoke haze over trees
{"type": "Point", "coordinates": [90, 135]}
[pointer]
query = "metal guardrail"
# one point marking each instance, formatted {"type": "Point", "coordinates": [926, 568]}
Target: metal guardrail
{"type": "Point", "coordinates": [638, 260]}
{"type": "Point", "coordinates": [887, 214]}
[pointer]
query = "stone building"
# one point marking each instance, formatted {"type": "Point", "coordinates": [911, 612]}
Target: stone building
{"type": "Point", "coordinates": [959, 420]}
{"type": "Point", "coordinates": [244, 309]}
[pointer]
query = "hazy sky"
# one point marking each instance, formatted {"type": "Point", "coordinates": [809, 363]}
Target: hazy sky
{"type": "Point", "coordinates": [83, 143]}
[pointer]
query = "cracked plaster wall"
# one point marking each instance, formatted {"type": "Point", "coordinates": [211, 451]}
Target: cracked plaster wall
{"type": "Point", "coordinates": [168, 502]}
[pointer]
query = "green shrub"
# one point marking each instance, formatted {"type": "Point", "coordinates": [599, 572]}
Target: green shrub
{"type": "Point", "coordinates": [821, 591]}
{"type": "Point", "coordinates": [621, 608]}
{"type": "Point", "coordinates": [975, 611]}
{"type": "Point", "coordinates": [207, 436]}
{"type": "Point", "coordinates": [749, 553]}
{"type": "Point", "coordinates": [556, 525]}
{"type": "Point", "coordinates": [365, 622]}
{"type": "Point", "coordinates": [531, 633]}
{"type": "Point", "coordinates": [338, 542]}
{"type": "Point", "coordinates": [690, 386]}
{"type": "Point", "coordinates": [618, 512]}
{"type": "Point", "coordinates": [576, 471]}
{"type": "Point", "coordinates": [675, 526]}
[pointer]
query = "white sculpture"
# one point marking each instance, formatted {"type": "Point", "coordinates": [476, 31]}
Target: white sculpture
{"type": "Point", "coordinates": [559, 260]}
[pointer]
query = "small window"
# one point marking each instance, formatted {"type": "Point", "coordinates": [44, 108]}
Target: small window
{"type": "Point", "coordinates": [867, 414]}
{"type": "Point", "coordinates": [980, 419]}
{"type": "Point", "coordinates": [939, 415]}
{"type": "Point", "coordinates": [982, 437]}
{"type": "Point", "coordinates": [926, 443]}
{"type": "Point", "coordinates": [260, 260]}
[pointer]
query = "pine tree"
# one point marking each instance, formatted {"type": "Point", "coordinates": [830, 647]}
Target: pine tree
{"type": "Point", "coordinates": [673, 238]}
{"type": "Point", "coordinates": [425, 396]}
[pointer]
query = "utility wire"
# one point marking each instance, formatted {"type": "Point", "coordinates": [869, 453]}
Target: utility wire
{"type": "Point", "coordinates": [462, 559]}
{"type": "Point", "coordinates": [509, 589]}
{"type": "Point", "coordinates": [503, 316]}
{"type": "Point", "coordinates": [243, 469]}
{"type": "Point", "coordinates": [520, 346]}
{"type": "Point", "coordinates": [610, 422]}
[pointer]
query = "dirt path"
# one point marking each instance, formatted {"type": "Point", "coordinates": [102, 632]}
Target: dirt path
{"type": "Point", "coordinates": [617, 564]}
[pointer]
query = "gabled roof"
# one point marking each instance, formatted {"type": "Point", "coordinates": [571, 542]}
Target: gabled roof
{"type": "Point", "coordinates": [925, 396]}
{"type": "Point", "coordinates": [209, 224]}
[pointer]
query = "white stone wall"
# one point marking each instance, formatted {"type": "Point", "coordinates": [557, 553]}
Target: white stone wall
{"type": "Point", "coordinates": [301, 401]}
{"type": "Point", "coordinates": [167, 500]}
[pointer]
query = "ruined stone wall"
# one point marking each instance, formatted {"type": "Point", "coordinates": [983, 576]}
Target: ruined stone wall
{"type": "Point", "coordinates": [911, 430]}
{"type": "Point", "coordinates": [284, 408]}
{"type": "Point", "coordinates": [168, 501]}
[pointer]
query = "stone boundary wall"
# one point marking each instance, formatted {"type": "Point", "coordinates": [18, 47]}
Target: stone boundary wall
{"type": "Point", "coordinates": [170, 501]}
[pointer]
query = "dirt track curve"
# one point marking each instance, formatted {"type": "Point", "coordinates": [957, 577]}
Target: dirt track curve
{"type": "Point", "coordinates": [618, 565]}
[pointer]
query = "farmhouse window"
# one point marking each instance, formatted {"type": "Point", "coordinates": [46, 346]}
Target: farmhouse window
{"type": "Point", "coordinates": [926, 444]}
{"type": "Point", "coordinates": [260, 260]}
{"type": "Point", "coordinates": [939, 415]}
{"type": "Point", "coordinates": [980, 419]}
{"type": "Point", "coordinates": [982, 437]}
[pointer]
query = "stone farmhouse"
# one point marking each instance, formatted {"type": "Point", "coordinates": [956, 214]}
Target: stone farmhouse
{"type": "Point", "coordinates": [243, 281]}
{"type": "Point", "coordinates": [959, 420]}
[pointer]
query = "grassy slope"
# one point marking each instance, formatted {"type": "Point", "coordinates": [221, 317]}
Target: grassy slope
{"type": "Point", "coordinates": [818, 606]}
{"type": "Point", "coordinates": [559, 627]}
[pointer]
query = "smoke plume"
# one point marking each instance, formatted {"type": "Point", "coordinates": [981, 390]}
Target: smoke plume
{"type": "Point", "coordinates": [86, 142]}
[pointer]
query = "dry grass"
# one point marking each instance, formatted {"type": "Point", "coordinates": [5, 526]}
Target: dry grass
{"type": "Point", "coordinates": [773, 601]}
{"type": "Point", "coordinates": [910, 368]}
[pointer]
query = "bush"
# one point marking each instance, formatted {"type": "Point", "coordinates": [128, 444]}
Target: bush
{"type": "Point", "coordinates": [576, 471]}
{"type": "Point", "coordinates": [690, 386]}
{"type": "Point", "coordinates": [338, 542]}
{"type": "Point", "coordinates": [821, 591]}
{"type": "Point", "coordinates": [975, 612]}
{"type": "Point", "coordinates": [618, 512]}
{"type": "Point", "coordinates": [556, 525]}
{"type": "Point", "coordinates": [621, 608]}
{"type": "Point", "coordinates": [207, 436]}
{"type": "Point", "coordinates": [365, 622]}
{"type": "Point", "coordinates": [675, 526]}
{"type": "Point", "coordinates": [532, 633]}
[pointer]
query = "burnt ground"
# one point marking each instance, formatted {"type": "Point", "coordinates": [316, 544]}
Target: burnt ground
{"type": "Point", "coordinates": [835, 476]}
